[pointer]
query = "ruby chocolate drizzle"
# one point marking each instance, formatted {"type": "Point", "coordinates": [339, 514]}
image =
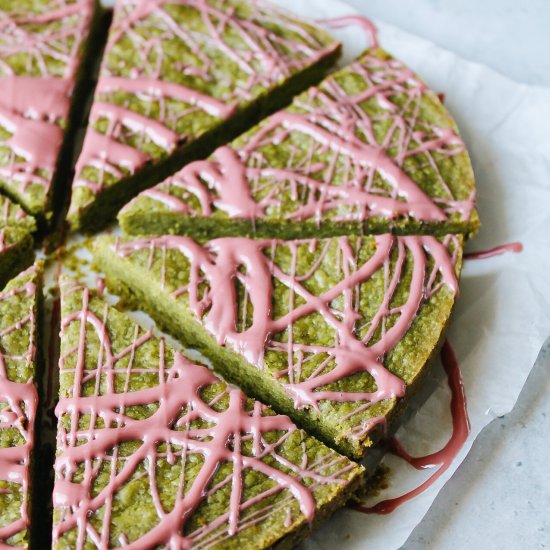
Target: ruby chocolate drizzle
{"type": "Point", "coordinates": [443, 458]}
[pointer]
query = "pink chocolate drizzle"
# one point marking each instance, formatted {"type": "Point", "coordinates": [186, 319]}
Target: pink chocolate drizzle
{"type": "Point", "coordinates": [360, 20]}
{"type": "Point", "coordinates": [33, 107]}
{"type": "Point", "coordinates": [515, 247]}
{"type": "Point", "coordinates": [264, 57]}
{"type": "Point", "coordinates": [443, 458]}
{"type": "Point", "coordinates": [18, 403]}
{"type": "Point", "coordinates": [172, 424]}
{"type": "Point", "coordinates": [364, 176]}
{"type": "Point", "coordinates": [222, 263]}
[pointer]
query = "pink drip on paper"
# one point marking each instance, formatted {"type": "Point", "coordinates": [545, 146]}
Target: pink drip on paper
{"type": "Point", "coordinates": [178, 396]}
{"type": "Point", "coordinates": [371, 169]}
{"type": "Point", "coordinates": [265, 60]}
{"type": "Point", "coordinates": [359, 20]}
{"type": "Point", "coordinates": [217, 267]}
{"type": "Point", "coordinates": [19, 400]}
{"type": "Point", "coordinates": [32, 108]}
{"type": "Point", "coordinates": [515, 247]}
{"type": "Point", "coordinates": [443, 458]}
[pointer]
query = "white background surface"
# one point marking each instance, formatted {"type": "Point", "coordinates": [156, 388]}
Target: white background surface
{"type": "Point", "coordinates": [499, 497]}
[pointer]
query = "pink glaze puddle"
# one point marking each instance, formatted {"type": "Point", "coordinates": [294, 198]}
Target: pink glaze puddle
{"type": "Point", "coordinates": [515, 247]}
{"type": "Point", "coordinates": [443, 458]}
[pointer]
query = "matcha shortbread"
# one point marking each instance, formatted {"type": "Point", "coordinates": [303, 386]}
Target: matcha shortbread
{"type": "Point", "coordinates": [178, 79]}
{"type": "Point", "coordinates": [370, 150]}
{"type": "Point", "coordinates": [19, 305]}
{"type": "Point", "coordinates": [154, 451]}
{"type": "Point", "coordinates": [333, 332]}
{"type": "Point", "coordinates": [43, 44]}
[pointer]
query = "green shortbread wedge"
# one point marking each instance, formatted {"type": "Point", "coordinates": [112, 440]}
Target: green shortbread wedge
{"type": "Point", "coordinates": [155, 451]}
{"type": "Point", "coordinates": [45, 50]}
{"type": "Point", "coordinates": [16, 239]}
{"type": "Point", "coordinates": [370, 150]}
{"type": "Point", "coordinates": [336, 333]}
{"type": "Point", "coordinates": [178, 79]}
{"type": "Point", "coordinates": [19, 306]}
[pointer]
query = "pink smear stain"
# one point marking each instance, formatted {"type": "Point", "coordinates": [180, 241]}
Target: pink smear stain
{"type": "Point", "coordinates": [359, 20]}
{"type": "Point", "coordinates": [443, 458]}
{"type": "Point", "coordinates": [515, 247]}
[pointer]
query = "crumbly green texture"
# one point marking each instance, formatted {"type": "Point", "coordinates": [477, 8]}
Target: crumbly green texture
{"type": "Point", "coordinates": [16, 252]}
{"type": "Point", "coordinates": [13, 347]}
{"type": "Point", "coordinates": [148, 216]}
{"type": "Point", "coordinates": [200, 131]}
{"type": "Point", "coordinates": [133, 511]}
{"type": "Point", "coordinates": [36, 198]}
{"type": "Point", "coordinates": [139, 277]}
{"type": "Point", "coordinates": [17, 229]}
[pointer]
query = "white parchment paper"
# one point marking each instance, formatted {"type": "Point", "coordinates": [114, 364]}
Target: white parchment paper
{"type": "Point", "coordinates": [502, 317]}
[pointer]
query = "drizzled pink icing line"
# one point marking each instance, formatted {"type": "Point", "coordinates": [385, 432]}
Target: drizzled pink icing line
{"type": "Point", "coordinates": [223, 262]}
{"type": "Point", "coordinates": [515, 247]}
{"type": "Point", "coordinates": [20, 401]}
{"type": "Point", "coordinates": [32, 107]}
{"type": "Point", "coordinates": [360, 20]}
{"type": "Point", "coordinates": [442, 459]}
{"type": "Point", "coordinates": [265, 60]}
{"type": "Point", "coordinates": [178, 395]}
{"type": "Point", "coordinates": [331, 121]}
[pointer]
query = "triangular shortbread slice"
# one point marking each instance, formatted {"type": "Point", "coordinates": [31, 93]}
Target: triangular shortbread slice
{"type": "Point", "coordinates": [179, 78]}
{"type": "Point", "coordinates": [333, 332]}
{"type": "Point", "coordinates": [371, 149]}
{"type": "Point", "coordinates": [19, 305]}
{"type": "Point", "coordinates": [154, 451]}
{"type": "Point", "coordinates": [43, 48]}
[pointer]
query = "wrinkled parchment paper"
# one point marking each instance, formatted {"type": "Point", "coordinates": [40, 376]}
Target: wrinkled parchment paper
{"type": "Point", "coordinates": [502, 318]}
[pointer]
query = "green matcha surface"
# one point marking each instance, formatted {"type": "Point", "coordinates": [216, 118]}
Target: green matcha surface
{"type": "Point", "coordinates": [18, 357]}
{"type": "Point", "coordinates": [277, 167]}
{"type": "Point", "coordinates": [42, 47]}
{"type": "Point", "coordinates": [222, 63]}
{"type": "Point", "coordinates": [16, 250]}
{"type": "Point", "coordinates": [156, 279]}
{"type": "Point", "coordinates": [133, 511]}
